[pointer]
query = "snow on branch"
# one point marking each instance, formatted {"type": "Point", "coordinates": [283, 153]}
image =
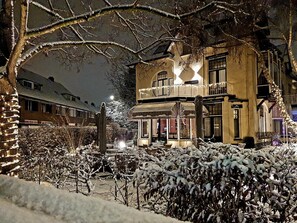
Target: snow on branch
{"type": "Point", "coordinates": [33, 33]}
{"type": "Point", "coordinates": [51, 45]}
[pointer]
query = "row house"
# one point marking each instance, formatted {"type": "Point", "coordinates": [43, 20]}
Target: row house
{"type": "Point", "coordinates": [237, 100]}
{"type": "Point", "coordinates": [46, 102]}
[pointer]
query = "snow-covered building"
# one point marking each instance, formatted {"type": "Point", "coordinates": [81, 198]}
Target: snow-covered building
{"type": "Point", "coordinates": [46, 102]}
{"type": "Point", "coordinates": [237, 99]}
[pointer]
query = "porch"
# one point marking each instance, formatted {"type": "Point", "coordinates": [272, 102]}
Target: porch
{"type": "Point", "coordinates": [170, 123]}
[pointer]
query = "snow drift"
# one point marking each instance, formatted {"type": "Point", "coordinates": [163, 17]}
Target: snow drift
{"type": "Point", "coordinates": [23, 202]}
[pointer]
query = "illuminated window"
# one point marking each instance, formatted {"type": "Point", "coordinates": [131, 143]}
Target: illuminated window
{"type": "Point", "coordinates": [162, 84]}
{"type": "Point", "coordinates": [217, 75]}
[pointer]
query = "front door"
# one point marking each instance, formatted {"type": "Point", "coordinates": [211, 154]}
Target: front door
{"type": "Point", "coordinates": [213, 129]}
{"type": "Point", "coordinates": [213, 124]}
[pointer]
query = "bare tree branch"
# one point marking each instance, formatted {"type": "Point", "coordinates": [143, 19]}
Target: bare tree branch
{"type": "Point", "coordinates": [117, 8]}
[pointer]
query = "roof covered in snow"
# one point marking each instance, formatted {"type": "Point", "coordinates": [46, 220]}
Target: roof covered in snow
{"type": "Point", "coordinates": [49, 91]}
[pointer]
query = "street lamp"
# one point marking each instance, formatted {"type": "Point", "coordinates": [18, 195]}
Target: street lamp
{"type": "Point", "coordinates": [111, 97]}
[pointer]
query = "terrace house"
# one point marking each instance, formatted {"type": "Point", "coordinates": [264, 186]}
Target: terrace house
{"type": "Point", "coordinates": [46, 102]}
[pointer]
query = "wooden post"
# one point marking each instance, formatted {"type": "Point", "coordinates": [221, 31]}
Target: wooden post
{"type": "Point", "coordinates": [101, 128]}
{"type": "Point", "coordinates": [199, 119]}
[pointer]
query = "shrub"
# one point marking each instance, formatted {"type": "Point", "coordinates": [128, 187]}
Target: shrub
{"type": "Point", "coordinates": [51, 137]}
{"type": "Point", "coordinates": [222, 183]}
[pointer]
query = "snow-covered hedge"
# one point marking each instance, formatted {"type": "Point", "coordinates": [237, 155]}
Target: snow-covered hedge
{"type": "Point", "coordinates": [51, 137]}
{"type": "Point", "coordinates": [222, 183]}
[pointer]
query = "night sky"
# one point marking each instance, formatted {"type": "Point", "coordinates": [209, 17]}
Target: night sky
{"type": "Point", "coordinates": [89, 82]}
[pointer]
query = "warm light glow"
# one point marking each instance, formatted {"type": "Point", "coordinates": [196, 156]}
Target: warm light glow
{"type": "Point", "coordinates": [122, 144]}
{"type": "Point", "coordinates": [196, 66]}
{"type": "Point", "coordinates": [111, 97]}
{"type": "Point", "coordinates": [177, 71]}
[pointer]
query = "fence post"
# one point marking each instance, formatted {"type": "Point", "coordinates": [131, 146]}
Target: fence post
{"type": "Point", "coordinates": [101, 128]}
{"type": "Point", "coordinates": [199, 119]}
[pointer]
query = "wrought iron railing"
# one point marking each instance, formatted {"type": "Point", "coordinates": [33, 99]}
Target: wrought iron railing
{"type": "Point", "coordinates": [185, 90]}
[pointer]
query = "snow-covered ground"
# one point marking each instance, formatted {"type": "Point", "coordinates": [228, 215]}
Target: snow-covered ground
{"type": "Point", "coordinates": [23, 202]}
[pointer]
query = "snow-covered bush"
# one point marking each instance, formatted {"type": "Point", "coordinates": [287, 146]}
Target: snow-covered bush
{"type": "Point", "coordinates": [51, 137]}
{"type": "Point", "coordinates": [62, 167]}
{"type": "Point", "coordinates": [222, 183]}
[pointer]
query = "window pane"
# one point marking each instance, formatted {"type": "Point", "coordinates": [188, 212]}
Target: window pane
{"type": "Point", "coordinates": [185, 128]}
{"type": "Point", "coordinates": [222, 76]}
{"type": "Point", "coordinates": [207, 127]}
{"type": "Point", "coordinates": [144, 129]}
{"type": "Point", "coordinates": [236, 123]}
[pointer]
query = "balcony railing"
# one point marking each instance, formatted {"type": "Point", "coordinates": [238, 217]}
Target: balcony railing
{"type": "Point", "coordinates": [185, 90]}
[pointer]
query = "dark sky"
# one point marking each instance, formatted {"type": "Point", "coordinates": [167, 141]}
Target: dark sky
{"type": "Point", "coordinates": [89, 83]}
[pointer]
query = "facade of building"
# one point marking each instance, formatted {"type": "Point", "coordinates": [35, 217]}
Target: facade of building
{"type": "Point", "coordinates": [46, 102]}
{"type": "Point", "coordinates": [237, 100]}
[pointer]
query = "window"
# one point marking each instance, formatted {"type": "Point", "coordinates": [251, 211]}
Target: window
{"type": "Point", "coordinates": [31, 85]}
{"type": "Point", "coordinates": [185, 128]}
{"type": "Point", "coordinates": [91, 115]}
{"type": "Point", "coordinates": [37, 87]}
{"type": "Point", "coordinates": [213, 127]}
{"type": "Point", "coordinates": [217, 75]}
{"type": "Point", "coordinates": [58, 110]}
{"type": "Point", "coordinates": [161, 85]}
{"type": "Point", "coordinates": [144, 128]}
{"type": "Point", "coordinates": [63, 110]}
{"type": "Point", "coordinates": [80, 113]}
{"type": "Point", "coordinates": [28, 84]}
{"type": "Point", "coordinates": [31, 105]}
{"type": "Point", "coordinates": [236, 123]}
{"type": "Point", "coordinates": [72, 112]}
{"type": "Point", "coordinates": [69, 97]}
{"type": "Point", "coordinates": [46, 108]}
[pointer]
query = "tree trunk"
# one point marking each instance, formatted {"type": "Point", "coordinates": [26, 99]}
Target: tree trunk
{"type": "Point", "coordinates": [8, 94]}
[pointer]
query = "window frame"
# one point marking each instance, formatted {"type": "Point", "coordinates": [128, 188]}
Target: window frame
{"type": "Point", "coordinates": [31, 106]}
{"type": "Point", "coordinates": [236, 119]}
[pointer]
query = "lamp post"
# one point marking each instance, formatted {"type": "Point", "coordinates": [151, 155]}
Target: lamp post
{"type": "Point", "coordinates": [111, 97]}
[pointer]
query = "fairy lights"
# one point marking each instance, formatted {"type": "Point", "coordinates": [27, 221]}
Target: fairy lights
{"type": "Point", "coordinates": [276, 92]}
{"type": "Point", "coordinates": [9, 115]}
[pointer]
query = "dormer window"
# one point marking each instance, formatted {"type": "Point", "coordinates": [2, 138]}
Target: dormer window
{"type": "Point", "coordinates": [69, 97]}
{"type": "Point", "coordinates": [28, 84]}
{"type": "Point", "coordinates": [31, 85]}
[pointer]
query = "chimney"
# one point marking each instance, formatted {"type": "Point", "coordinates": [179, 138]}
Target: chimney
{"type": "Point", "coordinates": [51, 79]}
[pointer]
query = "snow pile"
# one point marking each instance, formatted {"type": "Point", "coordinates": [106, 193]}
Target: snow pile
{"type": "Point", "coordinates": [219, 182]}
{"type": "Point", "coordinates": [23, 202]}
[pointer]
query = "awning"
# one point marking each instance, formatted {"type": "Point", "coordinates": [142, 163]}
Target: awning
{"type": "Point", "coordinates": [148, 110]}
{"type": "Point", "coordinates": [166, 109]}
{"type": "Point", "coordinates": [187, 109]}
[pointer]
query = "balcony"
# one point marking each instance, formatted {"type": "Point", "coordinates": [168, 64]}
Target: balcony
{"type": "Point", "coordinates": [185, 90]}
